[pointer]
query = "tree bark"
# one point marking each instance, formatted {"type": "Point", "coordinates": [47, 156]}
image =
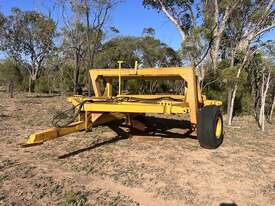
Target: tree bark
{"type": "Point", "coordinates": [261, 113]}
{"type": "Point", "coordinates": [229, 96]}
{"type": "Point", "coordinates": [49, 83]}
{"type": "Point", "coordinates": [264, 89]}
{"type": "Point", "coordinates": [272, 108]}
{"type": "Point", "coordinates": [219, 27]}
{"type": "Point", "coordinates": [231, 93]}
{"type": "Point", "coordinates": [31, 84]}
{"type": "Point", "coordinates": [76, 71]}
{"type": "Point", "coordinates": [231, 105]}
{"type": "Point", "coordinates": [87, 13]}
{"type": "Point", "coordinates": [173, 20]}
{"type": "Point", "coordinates": [11, 88]}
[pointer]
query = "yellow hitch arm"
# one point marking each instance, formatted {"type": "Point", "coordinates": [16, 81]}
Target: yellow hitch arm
{"type": "Point", "coordinates": [49, 134]}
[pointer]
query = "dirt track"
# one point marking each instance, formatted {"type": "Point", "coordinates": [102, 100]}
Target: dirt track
{"type": "Point", "coordinates": [97, 168]}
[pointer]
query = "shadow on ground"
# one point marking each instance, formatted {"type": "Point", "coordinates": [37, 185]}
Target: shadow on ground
{"type": "Point", "coordinates": [156, 126]}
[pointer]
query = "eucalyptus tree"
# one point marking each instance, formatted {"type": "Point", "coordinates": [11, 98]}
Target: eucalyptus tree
{"type": "Point", "coordinates": [215, 18]}
{"type": "Point", "coordinates": [120, 48]}
{"type": "Point", "coordinates": [233, 29]}
{"type": "Point", "coordinates": [201, 25]}
{"type": "Point", "coordinates": [147, 50]}
{"type": "Point", "coordinates": [182, 13]}
{"type": "Point", "coordinates": [249, 21]}
{"type": "Point", "coordinates": [154, 53]}
{"type": "Point", "coordinates": [149, 31]}
{"type": "Point", "coordinates": [28, 38]}
{"type": "Point", "coordinates": [10, 74]}
{"type": "Point", "coordinates": [91, 16]}
{"type": "Point", "coordinates": [73, 48]}
{"type": "Point", "coordinates": [96, 14]}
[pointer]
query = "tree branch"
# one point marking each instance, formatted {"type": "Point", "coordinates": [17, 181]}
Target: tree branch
{"type": "Point", "coordinates": [172, 18]}
{"type": "Point", "coordinates": [264, 30]}
{"type": "Point", "coordinates": [266, 13]}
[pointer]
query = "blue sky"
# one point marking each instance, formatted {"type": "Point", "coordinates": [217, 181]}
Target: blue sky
{"type": "Point", "coordinates": [129, 17]}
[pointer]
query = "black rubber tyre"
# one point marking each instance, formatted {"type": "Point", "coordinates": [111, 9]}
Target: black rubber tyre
{"type": "Point", "coordinates": [210, 118]}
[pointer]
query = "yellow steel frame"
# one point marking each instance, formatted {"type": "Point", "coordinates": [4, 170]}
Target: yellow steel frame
{"type": "Point", "coordinates": [104, 107]}
{"type": "Point", "coordinates": [193, 95]}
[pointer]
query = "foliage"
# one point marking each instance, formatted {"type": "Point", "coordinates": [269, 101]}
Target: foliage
{"type": "Point", "coordinates": [179, 8]}
{"type": "Point", "coordinates": [148, 51]}
{"type": "Point", "coordinates": [10, 72]}
{"type": "Point", "coordinates": [120, 48]}
{"type": "Point", "coordinates": [229, 32]}
{"type": "Point", "coordinates": [27, 38]}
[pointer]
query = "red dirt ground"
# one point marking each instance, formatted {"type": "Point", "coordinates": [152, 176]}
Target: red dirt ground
{"type": "Point", "coordinates": [96, 168]}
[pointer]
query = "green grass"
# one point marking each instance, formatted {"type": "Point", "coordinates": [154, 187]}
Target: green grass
{"type": "Point", "coordinates": [74, 199]}
{"type": "Point", "coordinates": [3, 177]}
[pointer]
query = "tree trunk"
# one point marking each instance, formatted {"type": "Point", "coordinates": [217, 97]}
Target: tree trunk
{"type": "Point", "coordinates": [11, 88]}
{"type": "Point", "coordinates": [76, 71]}
{"type": "Point", "coordinates": [215, 47]}
{"type": "Point", "coordinates": [173, 20]}
{"type": "Point", "coordinates": [229, 95]}
{"type": "Point", "coordinates": [231, 105]}
{"type": "Point", "coordinates": [262, 107]}
{"type": "Point", "coordinates": [233, 96]}
{"type": "Point", "coordinates": [219, 27]}
{"type": "Point", "coordinates": [62, 81]}
{"type": "Point", "coordinates": [272, 108]}
{"type": "Point", "coordinates": [48, 81]}
{"type": "Point", "coordinates": [262, 114]}
{"type": "Point", "coordinates": [264, 89]}
{"type": "Point", "coordinates": [92, 62]}
{"type": "Point", "coordinates": [31, 84]}
{"type": "Point", "coordinates": [214, 54]}
{"type": "Point", "coordinates": [87, 13]}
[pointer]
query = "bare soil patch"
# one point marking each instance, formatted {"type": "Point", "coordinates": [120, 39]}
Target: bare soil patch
{"type": "Point", "coordinates": [98, 168]}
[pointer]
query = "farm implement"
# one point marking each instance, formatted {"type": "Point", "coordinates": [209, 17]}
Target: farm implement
{"type": "Point", "coordinates": [104, 107]}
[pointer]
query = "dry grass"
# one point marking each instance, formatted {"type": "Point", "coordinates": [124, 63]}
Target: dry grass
{"type": "Point", "coordinates": [96, 168]}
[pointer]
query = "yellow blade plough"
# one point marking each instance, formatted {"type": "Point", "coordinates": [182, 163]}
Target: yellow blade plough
{"type": "Point", "coordinates": [104, 107]}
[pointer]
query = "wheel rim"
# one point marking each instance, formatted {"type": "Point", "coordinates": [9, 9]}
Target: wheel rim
{"type": "Point", "coordinates": [219, 128]}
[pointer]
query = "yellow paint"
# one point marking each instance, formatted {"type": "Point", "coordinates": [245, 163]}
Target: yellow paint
{"type": "Point", "coordinates": [212, 102]}
{"type": "Point", "coordinates": [133, 107]}
{"type": "Point", "coordinates": [53, 133]}
{"type": "Point", "coordinates": [154, 97]}
{"type": "Point", "coordinates": [104, 108]}
{"type": "Point", "coordinates": [193, 95]}
{"type": "Point", "coordinates": [136, 66]}
{"type": "Point", "coordinates": [119, 77]}
{"type": "Point", "coordinates": [218, 128]}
